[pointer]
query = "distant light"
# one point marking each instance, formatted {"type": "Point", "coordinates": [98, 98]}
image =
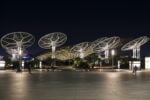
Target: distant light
{"type": "Point", "coordinates": [23, 64]}
{"type": "Point", "coordinates": [20, 52]}
{"type": "Point", "coordinates": [81, 50]}
{"type": "Point", "coordinates": [2, 64]}
{"type": "Point", "coordinates": [40, 64]}
{"type": "Point", "coordinates": [81, 55]}
{"type": "Point", "coordinates": [147, 62]}
{"type": "Point", "coordinates": [112, 52]}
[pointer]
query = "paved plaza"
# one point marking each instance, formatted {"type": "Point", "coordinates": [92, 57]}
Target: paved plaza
{"type": "Point", "coordinates": [67, 85]}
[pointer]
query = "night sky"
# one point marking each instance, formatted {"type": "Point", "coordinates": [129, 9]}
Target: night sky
{"type": "Point", "coordinates": [81, 21]}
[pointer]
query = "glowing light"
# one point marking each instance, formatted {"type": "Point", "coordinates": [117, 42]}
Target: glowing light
{"type": "Point", "coordinates": [119, 64]}
{"type": "Point", "coordinates": [113, 52]}
{"type": "Point", "coordinates": [20, 51]}
{"type": "Point", "coordinates": [23, 64]}
{"type": "Point", "coordinates": [147, 62]}
{"type": "Point", "coordinates": [134, 63]}
{"type": "Point", "coordinates": [40, 64]}
{"type": "Point", "coordinates": [2, 64]}
{"type": "Point", "coordinates": [53, 52]}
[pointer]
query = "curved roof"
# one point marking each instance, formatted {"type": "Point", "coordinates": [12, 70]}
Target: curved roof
{"type": "Point", "coordinates": [136, 43]}
{"type": "Point", "coordinates": [17, 39]}
{"type": "Point", "coordinates": [82, 47]}
{"type": "Point", "coordinates": [52, 39]}
{"type": "Point", "coordinates": [108, 43]}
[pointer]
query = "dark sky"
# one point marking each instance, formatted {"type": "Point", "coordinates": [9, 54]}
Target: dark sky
{"type": "Point", "coordinates": [81, 21]}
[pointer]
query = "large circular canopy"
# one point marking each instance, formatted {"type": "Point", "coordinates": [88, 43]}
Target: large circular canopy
{"type": "Point", "coordinates": [52, 39]}
{"type": "Point", "coordinates": [97, 42]}
{"type": "Point", "coordinates": [107, 43]}
{"type": "Point", "coordinates": [82, 48]}
{"type": "Point", "coordinates": [17, 39]}
{"type": "Point", "coordinates": [136, 43]}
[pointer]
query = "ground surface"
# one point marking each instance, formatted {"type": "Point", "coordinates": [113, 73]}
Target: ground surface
{"type": "Point", "coordinates": [74, 85]}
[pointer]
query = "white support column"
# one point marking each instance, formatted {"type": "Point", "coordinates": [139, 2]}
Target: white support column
{"type": "Point", "coordinates": [134, 53]}
{"type": "Point", "coordinates": [112, 54]}
{"type": "Point", "coordinates": [40, 65]}
{"type": "Point", "coordinates": [138, 53]}
{"type": "Point", "coordinates": [53, 55]}
{"type": "Point", "coordinates": [100, 57]}
{"type": "Point", "coordinates": [81, 53]}
{"type": "Point", "coordinates": [53, 52]}
{"type": "Point", "coordinates": [106, 54]}
{"type": "Point", "coordinates": [14, 57]}
{"type": "Point", "coordinates": [20, 57]}
{"type": "Point", "coordinates": [118, 64]}
{"type": "Point", "coordinates": [130, 65]}
{"type": "Point", "coordinates": [23, 64]}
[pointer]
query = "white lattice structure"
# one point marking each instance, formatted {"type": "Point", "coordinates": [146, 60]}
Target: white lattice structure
{"type": "Point", "coordinates": [82, 49]}
{"type": "Point", "coordinates": [52, 40]}
{"type": "Point", "coordinates": [135, 45]}
{"type": "Point", "coordinates": [106, 44]}
{"type": "Point", "coordinates": [17, 41]}
{"type": "Point", "coordinates": [97, 42]}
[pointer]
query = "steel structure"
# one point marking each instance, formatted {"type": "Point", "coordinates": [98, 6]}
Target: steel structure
{"type": "Point", "coordinates": [81, 49]}
{"type": "Point", "coordinates": [106, 44]}
{"type": "Point", "coordinates": [18, 41]}
{"type": "Point", "coordinates": [135, 45]}
{"type": "Point", "coordinates": [97, 42]}
{"type": "Point", "coordinates": [51, 41]}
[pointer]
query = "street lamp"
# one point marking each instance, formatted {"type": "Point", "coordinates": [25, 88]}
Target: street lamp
{"type": "Point", "coordinates": [112, 54]}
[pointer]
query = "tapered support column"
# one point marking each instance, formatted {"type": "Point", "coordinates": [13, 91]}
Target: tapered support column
{"type": "Point", "coordinates": [53, 52]}
{"type": "Point", "coordinates": [40, 65]}
{"type": "Point", "coordinates": [138, 53]}
{"type": "Point", "coordinates": [53, 56]}
{"type": "Point", "coordinates": [106, 54]}
{"type": "Point", "coordinates": [19, 69]}
{"type": "Point", "coordinates": [134, 53]}
{"type": "Point", "coordinates": [81, 53]}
